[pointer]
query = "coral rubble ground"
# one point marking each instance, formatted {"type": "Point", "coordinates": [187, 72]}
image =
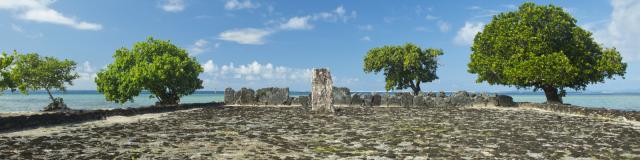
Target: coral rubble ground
{"type": "Point", "coordinates": [352, 132]}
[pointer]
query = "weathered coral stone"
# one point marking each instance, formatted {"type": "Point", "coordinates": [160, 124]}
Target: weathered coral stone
{"type": "Point", "coordinates": [322, 91]}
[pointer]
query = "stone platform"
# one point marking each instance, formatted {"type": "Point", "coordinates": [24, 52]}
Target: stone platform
{"type": "Point", "coordinates": [352, 132]}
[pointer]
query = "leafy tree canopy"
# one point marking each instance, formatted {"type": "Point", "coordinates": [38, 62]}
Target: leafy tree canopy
{"type": "Point", "coordinates": [5, 77]}
{"type": "Point", "coordinates": [33, 72]}
{"type": "Point", "coordinates": [541, 47]}
{"type": "Point", "coordinates": [404, 66]}
{"type": "Point", "coordinates": [157, 66]}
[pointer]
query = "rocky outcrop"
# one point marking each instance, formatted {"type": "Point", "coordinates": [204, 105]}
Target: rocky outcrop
{"type": "Point", "coordinates": [229, 96]}
{"type": "Point", "coordinates": [341, 96]}
{"type": "Point", "coordinates": [301, 100]}
{"type": "Point", "coordinates": [406, 99]}
{"type": "Point", "coordinates": [245, 96]}
{"type": "Point", "coordinates": [272, 96]}
{"type": "Point", "coordinates": [322, 91]}
{"type": "Point", "coordinates": [376, 100]}
{"type": "Point", "coordinates": [56, 106]}
{"type": "Point", "coordinates": [357, 101]}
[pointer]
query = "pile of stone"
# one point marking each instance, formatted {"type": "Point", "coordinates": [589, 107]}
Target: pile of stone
{"type": "Point", "coordinates": [431, 99]}
{"type": "Point", "coordinates": [343, 97]}
{"type": "Point", "coordinates": [271, 96]}
{"type": "Point", "coordinates": [57, 106]}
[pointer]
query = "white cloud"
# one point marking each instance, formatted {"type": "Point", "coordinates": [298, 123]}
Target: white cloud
{"type": "Point", "coordinates": [623, 29]}
{"type": "Point", "coordinates": [255, 71]}
{"type": "Point", "coordinates": [28, 34]}
{"type": "Point", "coordinates": [255, 36]}
{"type": "Point", "coordinates": [338, 14]}
{"type": "Point", "coordinates": [303, 22]}
{"type": "Point", "coordinates": [209, 67]}
{"type": "Point", "coordinates": [17, 28]}
{"type": "Point", "coordinates": [366, 38]}
{"type": "Point", "coordinates": [422, 29]}
{"type": "Point", "coordinates": [245, 35]}
{"type": "Point", "coordinates": [467, 33]}
{"type": "Point", "coordinates": [173, 5]}
{"type": "Point", "coordinates": [236, 5]}
{"type": "Point", "coordinates": [431, 17]}
{"type": "Point", "coordinates": [39, 11]}
{"type": "Point", "coordinates": [297, 23]}
{"type": "Point", "coordinates": [86, 71]}
{"type": "Point", "coordinates": [367, 27]}
{"type": "Point", "coordinates": [201, 46]}
{"type": "Point", "coordinates": [443, 26]}
{"type": "Point", "coordinates": [87, 76]}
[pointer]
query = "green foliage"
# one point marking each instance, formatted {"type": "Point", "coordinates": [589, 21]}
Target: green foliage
{"type": "Point", "coordinates": [541, 47]}
{"type": "Point", "coordinates": [33, 72]}
{"type": "Point", "coordinates": [153, 65]}
{"type": "Point", "coordinates": [6, 82]}
{"type": "Point", "coordinates": [404, 66]}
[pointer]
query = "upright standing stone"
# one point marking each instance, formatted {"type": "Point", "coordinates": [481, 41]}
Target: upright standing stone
{"type": "Point", "coordinates": [229, 94]}
{"type": "Point", "coordinates": [322, 91]}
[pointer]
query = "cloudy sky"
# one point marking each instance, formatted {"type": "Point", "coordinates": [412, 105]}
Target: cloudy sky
{"type": "Point", "coordinates": [276, 43]}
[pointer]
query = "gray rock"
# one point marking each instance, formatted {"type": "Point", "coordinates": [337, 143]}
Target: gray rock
{"type": "Point", "coordinates": [461, 98]}
{"type": "Point", "coordinates": [419, 101]}
{"type": "Point", "coordinates": [367, 98]}
{"type": "Point", "coordinates": [392, 100]}
{"type": "Point", "coordinates": [376, 100]}
{"type": "Point", "coordinates": [341, 96]}
{"type": "Point", "coordinates": [272, 96]}
{"type": "Point", "coordinates": [406, 100]}
{"type": "Point", "coordinates": [56, 106]}
{"type": "Point", "coordinates": [431, 94]}
{"type": "Point", "coordinates": [429, 102]}
{"type": "Point", "coordinates": [505, 101]}
{"type": "Point", "coordinates": [322, 91]}
{"type": "Point", "coordinates": [441, 102]}
{"type": "Point", "coordinates": [356, 101]}
{"type": "Point", "coordinates": [245, 96]}
{"type": "Point", "coordinates": [442, 94]}
{"type": "Point", "coordinates": [229, 94]}
{"type": "Point", "coordinates": [289, 101]}
{"type": "Point", "coordinates": [302, 100]}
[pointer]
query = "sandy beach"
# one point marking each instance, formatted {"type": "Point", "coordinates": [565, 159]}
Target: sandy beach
{"type": "Point", "coordinates": [294, 132]}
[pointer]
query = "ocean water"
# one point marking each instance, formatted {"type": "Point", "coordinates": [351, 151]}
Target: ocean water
{"type": "Point", "coordinates": [16, 102]}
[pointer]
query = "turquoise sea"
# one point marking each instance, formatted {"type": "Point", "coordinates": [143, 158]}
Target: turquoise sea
{"type": "Point", "coordinates": [16, 102]}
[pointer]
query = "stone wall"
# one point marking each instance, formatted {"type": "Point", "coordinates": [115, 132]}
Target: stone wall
{"type": "Point", "coordinates": [598, 112]}
{"type": "Point", "coordinates": [270, 96]}
{"type": "Point", "coordinates": [342, 97]}
{"type": "Point", "coordinates": [431, 99]}
{"type": "Point", "coordinates": [8, 123]}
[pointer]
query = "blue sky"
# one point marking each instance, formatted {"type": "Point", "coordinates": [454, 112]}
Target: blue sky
{"type": "Point", "coordinates": [276, 43]}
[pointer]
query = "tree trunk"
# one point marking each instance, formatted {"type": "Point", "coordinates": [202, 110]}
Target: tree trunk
{"type": "Point", "coordinates": [416, 88]}
{"type": "Point", "coordinates": [50, 96]}
{"type": "Point", "coordinates": [552, 95]}
{"type": "Point", "coordinates": [169, 98]}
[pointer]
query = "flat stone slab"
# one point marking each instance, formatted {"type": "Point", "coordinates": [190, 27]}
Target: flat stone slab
{"type": "Point", "coordinates": [352, 132]}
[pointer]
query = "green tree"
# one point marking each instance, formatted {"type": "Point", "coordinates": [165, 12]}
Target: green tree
{"type": "Point", "coordinates": [6, 82]}
{"type": "Point", "coordinates": [404, 66]}
{"type": "Point", "coordinates": [33, 72]}
{"type": "Point", "coordinates": [541, 47]}
{"type": "Point", "coordinates": [157, 66]}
